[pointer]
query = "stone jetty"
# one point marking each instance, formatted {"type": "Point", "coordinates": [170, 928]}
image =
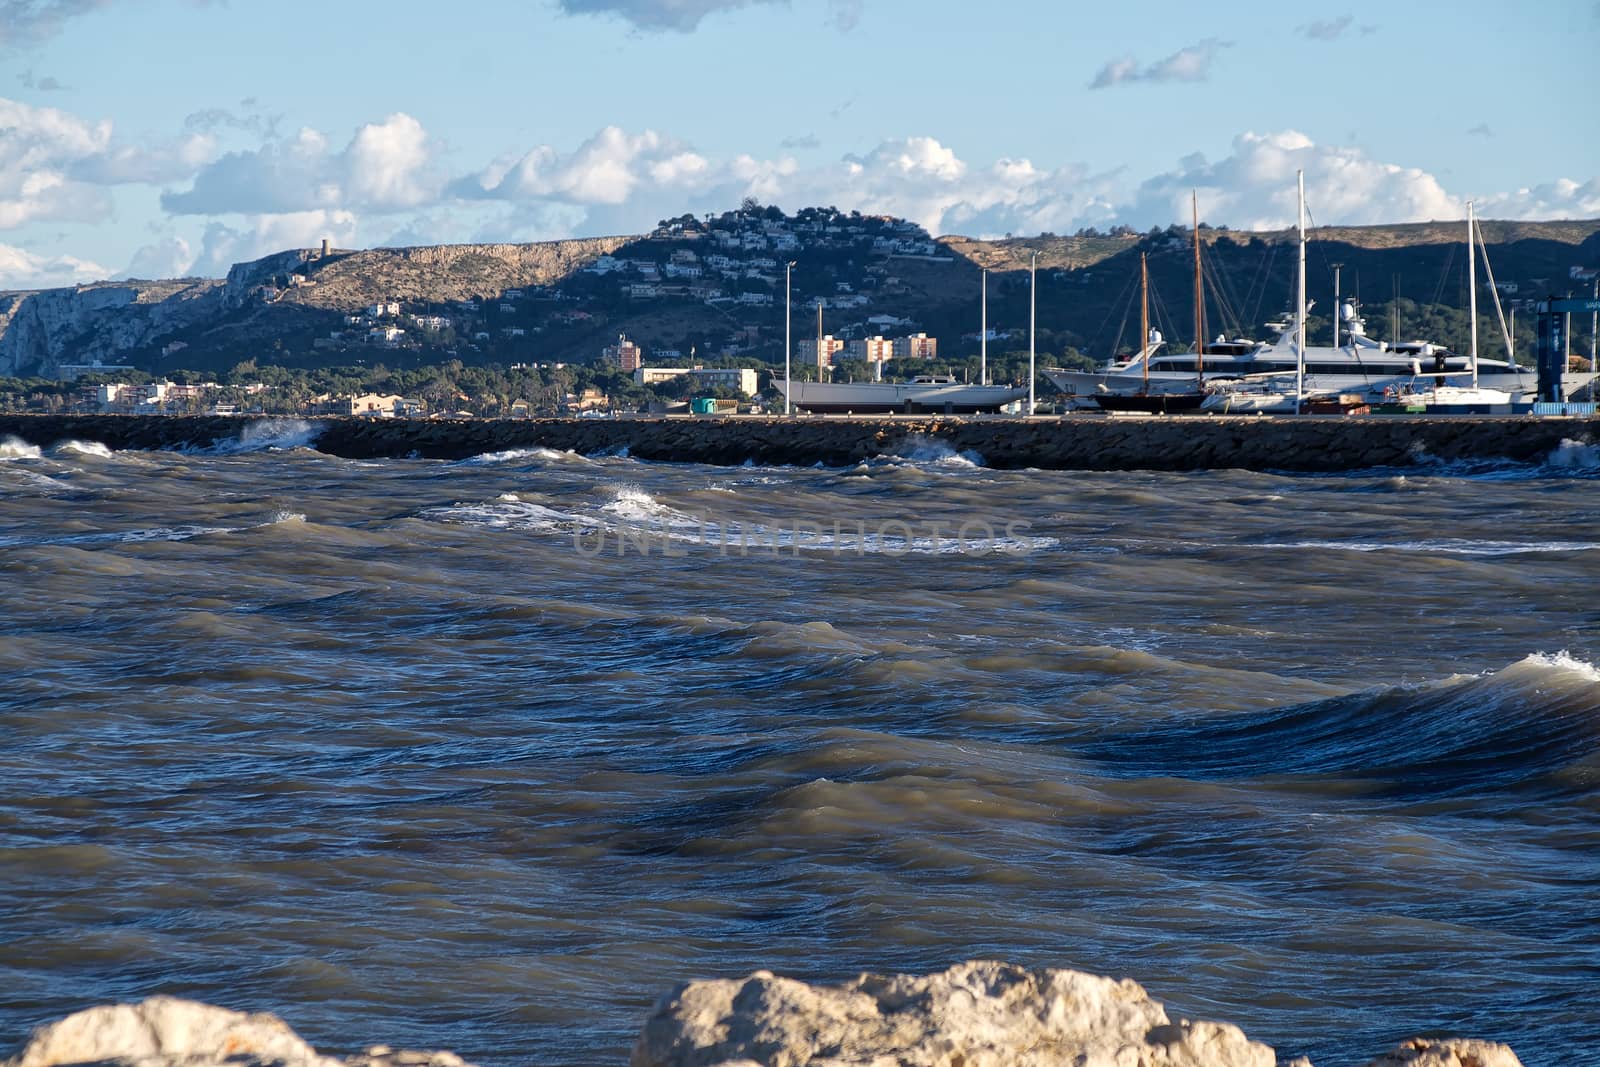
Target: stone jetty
{"type": "Point", "coordinates": [1073, 442]}
{"type": "Point", "coordinates": [976, 1014]}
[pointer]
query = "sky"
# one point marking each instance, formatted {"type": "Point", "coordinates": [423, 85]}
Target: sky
{"type": "Point", "coordinates": [163, 138]}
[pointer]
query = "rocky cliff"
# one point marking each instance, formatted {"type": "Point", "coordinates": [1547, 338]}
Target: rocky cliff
{"type": "Point", "coordinates": [41, 330]}
{"type": "Point", "coordinates": [116, 321]}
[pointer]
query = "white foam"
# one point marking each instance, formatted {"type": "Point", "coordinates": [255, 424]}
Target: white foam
{"type": "Point", "coordinates": [266, 435]}
{"type": "Point", "coordinates": [505, 512]}
{"type": "Point", "coordinates": [84, 448]}
{"type": "Point", "coordinates": [513, 455]}
{"type": "Point", "coordinates": [633, 505]}
{"type": "Point", "coordinates": [926, 451]}
{"type": "Point", "coordinates": [1447, 546]}
{"type": "Point", "coordinates": [1564, 661]}
{"type": "Point", "coordinates": [17, 448]}
{"type": "Point", "coordinates": [1574, 455]}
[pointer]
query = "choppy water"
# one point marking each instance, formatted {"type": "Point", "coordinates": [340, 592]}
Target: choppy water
{"type": "Point", "coordinates": [406, 752]}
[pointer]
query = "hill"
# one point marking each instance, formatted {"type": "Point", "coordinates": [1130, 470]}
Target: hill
{"type": "Point", "coordinates": [712, 289]}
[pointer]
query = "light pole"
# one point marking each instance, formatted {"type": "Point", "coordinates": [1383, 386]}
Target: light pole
{"type": "Point", "coordinates": [788, 378]}
{"type": "Point", "coordinates": [1033, 321]}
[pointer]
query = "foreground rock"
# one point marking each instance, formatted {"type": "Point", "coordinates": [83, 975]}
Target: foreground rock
{"type": "Point", "coordinates": [169, 1032]}
{"type": "Point", "coordinates": [977, 1014]}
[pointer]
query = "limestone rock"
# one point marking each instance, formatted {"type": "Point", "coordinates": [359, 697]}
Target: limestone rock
{"type": "Point", "coordinates": [976, 1014]}
{"type": "Point", "coordinates": [171, 1032]}
{"type": "Point", "coordinates": [167, 1032]}
{"type": "Point", "coordinates": [1448, 1052]}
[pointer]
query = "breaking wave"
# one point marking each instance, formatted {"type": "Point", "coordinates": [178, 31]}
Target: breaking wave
{"type": "Point", "coordinates": [16, 448]}
{"type": "Point", "coordinates": [1513, 728]}
{"type": "Point", "coordinates": [270, 435]}
{"type": "Point", "coordinates": [84, 448]}
{"type": "Point", "coordinates": [633, 516]}
{"type": "Point", "coordinates": [927, 451]}
{"type": "Point", "coordinates": [515, 455]}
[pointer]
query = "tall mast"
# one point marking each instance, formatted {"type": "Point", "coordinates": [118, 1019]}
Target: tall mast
{"type": "Point", "coordinates": [1472, 292]}
{"type": "Point", "coordinates": [1033, 321]}
{"type": "Point", "coordinates": [788, 340]}
{"type": "Point", "coordinates": [983, 334]}
{"type": "Point", "coordinates": [822, 360]}
{"type": "Point", "coordinates": [1144, 320]}
{"type": "Point", "coordinates": [1300, 329]}
{"type": "Point", "coordinates": [1338, 309]}
{"type": "Point", "coordinates": [1199, 299]}
{"type": "Point", "coordinates": [1505, 332]}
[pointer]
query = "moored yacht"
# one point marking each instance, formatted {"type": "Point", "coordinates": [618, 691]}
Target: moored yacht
{"type": "Point", "coordinates": [924, 394]}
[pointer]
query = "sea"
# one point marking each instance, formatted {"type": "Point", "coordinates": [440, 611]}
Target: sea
{"type": "Point", "coordinates": [489, 755]}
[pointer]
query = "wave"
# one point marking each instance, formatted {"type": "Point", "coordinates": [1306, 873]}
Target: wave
{"type": "Point", "coordinates": [83, 448]}
{"type": "Point", "coordinates": [269, 435]}
{"type": "Point", "coordinates": [12, 447]}
{"type": "Point", "coordinates": [633, 505]}
{"type": "Point", "coordinates": [634, 516]}
{"type": "Point", "coordinates": [123, 537]}
{"type": "Point", "coordinates": [514, 455]}
{"type": "Point", "coordinates": [1444, 546]}
{"type": "Point", "coordinates": [927, 451]}
{"type": "Point", "coordinates": [1514, 728]}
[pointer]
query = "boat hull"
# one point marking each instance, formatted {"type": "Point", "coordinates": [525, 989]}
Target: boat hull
{"type": "Point", "coordinates": [882, 398]}
{"type": "Point", "coordinates": [1087, 385]}
{"type": "Point", "coordinates": [1152, 403]}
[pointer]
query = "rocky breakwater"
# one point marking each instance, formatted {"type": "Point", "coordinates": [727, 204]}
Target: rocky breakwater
{"type": "Point", "coordinates": [976, 1014]}
{"type": "Point", "coordinates": [136, 432]}
{"type": "Point", "coordinates": [1071, 443]}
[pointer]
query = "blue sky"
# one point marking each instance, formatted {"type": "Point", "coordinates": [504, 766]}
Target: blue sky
{"type": "Point", "coordinates": [161, 137]}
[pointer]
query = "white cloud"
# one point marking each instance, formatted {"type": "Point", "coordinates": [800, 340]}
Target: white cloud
{"type": "Point", "coordinates": [1254, 187]}
{"type": "Point", "coordinates": [1560, 199]}
{"type": "Point", "coordinates": [1191, 64]}
{"type": "Point", "coordinates": [680, 15]}
{"type": "Point", "coordinates": [24, 22]}
{"type": "Point", "coordinates": [222, 246]}
{"type": "Point", "coordinates": [605, 169]}
{"type": "Point", "coordinates": [21, 269]}
{"type": "Point", "coordinates": [1327, 29]}
{"type": "Point", "coordinates": [386, 166]}
{"type": "Point", "coordinates": [56, 166]}
{"type": "Point", "coordinates": [170, 258]}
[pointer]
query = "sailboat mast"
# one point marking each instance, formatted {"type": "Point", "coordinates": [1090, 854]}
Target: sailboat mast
{"type": "Point", "coordinates": [1033, 323]}
{"type": "Point", "coordinates": [1199, 301]}
{"type": "Point", "coordinates": [1144, 320]}
{"type": "Point", "coordinates": [1472, 290]}
{"type": "Point", "coordinates": [1300, 329]}
{"type": "Point", "coordinates": [983, 334]}
{"type": "Point", "coordinates": [822, 360]}
{"type": "Point", "coordinates": [1500, 313]}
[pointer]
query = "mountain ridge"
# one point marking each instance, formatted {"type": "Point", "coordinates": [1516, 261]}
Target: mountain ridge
{"type": "Point", "coordinates": [290, 306]}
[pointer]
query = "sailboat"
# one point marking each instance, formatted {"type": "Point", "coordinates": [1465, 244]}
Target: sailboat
{"type": "Point", "coordinates": [1164, 403]}
{"type": "Point", "coordinates": [1438, 398]}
